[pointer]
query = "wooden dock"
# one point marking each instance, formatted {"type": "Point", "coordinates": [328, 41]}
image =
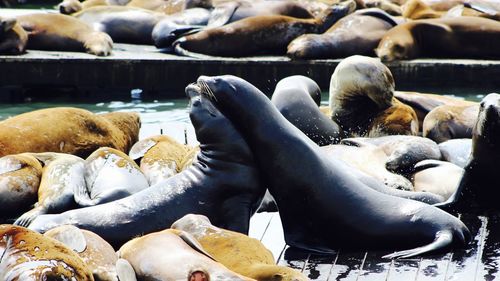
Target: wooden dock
{"type": "Point", "coordinates": [480, 260]}
{"type": "Point", "coordinates": [165, 75]}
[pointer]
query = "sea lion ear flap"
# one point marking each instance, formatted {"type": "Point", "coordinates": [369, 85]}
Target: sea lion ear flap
{"type": "Point", "coordinates": [7, 24]}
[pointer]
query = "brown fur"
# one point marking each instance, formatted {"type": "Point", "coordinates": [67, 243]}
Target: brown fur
{"type": "Point", "coordinates": [29, 251]}
{"type": "Point", "coordinates": [68, 130]}
{"type": "Point", "coordinates": [461, 37]}
{"type": "Point", "coordinates": [55, 32]}
{"type": "Point", "coordinates": [450, 122]}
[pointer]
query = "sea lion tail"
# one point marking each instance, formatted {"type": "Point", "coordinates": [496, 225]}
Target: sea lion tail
{"type": "Point", "coordinates": [443, 239]}
{"type": "Point", "coordinates": [179, 50]}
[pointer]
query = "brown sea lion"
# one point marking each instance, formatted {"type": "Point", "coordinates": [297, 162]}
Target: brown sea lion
{"type": "Point", "coordinates": [418, 9]}
{"type": "Point", "coordinates": [162, 157]}
{"type": "Point", "coordinates": [450, 122]}
{"type": "Point", "coordinates": [29, 256]}
{"type": "Point", "coordinates": [78, 131]}
{"type": "Point", "coordinates": [356, 34]}
{"type": "Point", "coordinates": [362, 102]}
{"type": "Point", "coordinates": [97, 254]}
{"type": "Point", "coordinates": [257, 35]}
{"type": "Point", "coordinates": [185, 259]}
{"type": "Point", "coordinates": [461, 37]}
{"type": "Point", "coordinates": [56, 32]}
{"type": "Point", "coordinates": [238, 252]}
{"type": "Point", "coordinates": [13, 37]}
{"type": "Point", "coordinates": [19, 180]}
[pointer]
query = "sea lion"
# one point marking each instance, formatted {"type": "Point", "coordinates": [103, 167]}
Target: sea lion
{"type": "Point", "coordinates": [123, 24]}
{"type": "Point", "coordinates": [35, 131]}
{"type": "Point", "coordinates": [45, 32]}
{"type": "Point", "coordinates": [293, 98]}
{"type": "Point", "coordinates": [62, 176]}
{"type": "Point", "coordinates": [257, 35]}
{"type": "Point", "coordinates": [162, 157]}
{"type": "Point", "coordinates": [476, 188]}
{"type": "Point", "coordinates": [238, 252]}
{"type": "Point", "coordinates": [27, 255]}
{"type": "Point", "coordinates": [229, 12]}
{"type": "Point", "coordinates": [461, 37]}
{"type": "Point", "coordinates": [356, 34]}
{"type": "Point", "coordinates": [387, 6]}
{"type": "Point", "coordinates": [69, 7]}
{"type": "Point", "coordinates": [13, 37]}
{"type": "Point", "coordinates": [223, 184]}
{"type": "Point", "coordinates": [450, 122]}
{"type": "Point", "coordinates": [97, 254]}
{"type": "Point", "coordinates": [362, 103]}
{"type": "Point", "coordinates": [438, 177]}
{"type": "Point", "coordinates": [423, 103]}
{"type": "Point", "coordinates": [330, 198]}
{"type": "Point", "coordinates": [456, 151]}
{"type": "Point", "coordinates": [109, 175]}
{"type": "Point", "coordinates": [19, 180]}
{"type": "Point", "coordinates": [185, 259]}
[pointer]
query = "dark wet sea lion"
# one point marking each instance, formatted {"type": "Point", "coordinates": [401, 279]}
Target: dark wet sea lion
{"type": "Point", "coordinates": [151, 261]}
{"type": "Point", "coordinates": [97, 254]}
{"type": "Point", "coordinates": [29, 256]}
{"type": "Point", "coordinates": [456, 151]}
{"type": "Point", "coordinates": [238, 252]}
{"type": "Point", "coordinates": [315, 203]}
{"type": "Point", "coordinates": [229, 12]}
{"type": "Point", "coordinates": [450, 122]}
{"type": "Point", "coordinates": [257, 35]}
{"type": "Point", "coordinates": [362, 102]}
{"type": "Point", "coordinates": [477, 188]}
{"type": "Point", "coordinates": [55, 32]}
{"type": "Point", "coordinates": [35, 131]}
{"type": "Point", "coordinates": [461, 37]}
{"type": "Point", "coordinates": [222, 184]}
{"type": "Point", "coordinates": [13, 38]}
{"type": "Point", "coordinates": [293, 98]}
{"type": "Point", "coordinates": [356, 34]}
{"type": "Point", "coordinates": [19, 180]}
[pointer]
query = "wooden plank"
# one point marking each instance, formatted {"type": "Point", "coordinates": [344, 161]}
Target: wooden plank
{"type": "Point", "coordinates": [490, 260]}
{"type": "Point", "coordinates": [347, 266]}
{"type": "Point", "coordinates": [464, 262]}
{"type": "Point", "coordinates": [375, 267]}
{"type": "Point", "coordinates": [434, 267]}
{"type": "Point", "coordinates": [319, 267]}
{"type": "Point", "coordinates": [403, 269]}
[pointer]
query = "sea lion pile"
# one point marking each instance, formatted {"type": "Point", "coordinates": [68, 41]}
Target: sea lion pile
{"type": "Point", "coordinates": [300, 29]}
{"type": "Point", "coordinates": [356, 175]}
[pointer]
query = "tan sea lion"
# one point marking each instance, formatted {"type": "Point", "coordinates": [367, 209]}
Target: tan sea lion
{"type": "Point", "coordinates": [78, 131]}
{"type": "Point", "coordinates": [162, 157]}
{"type": "Point", "coordinates": [13, 38]}
{"type": "Point", "coordinates": [69, 7]}
{"type": "Point", "coordinates": [257, 35]}
{"type": "Point", "coordinates": [460, 37]}
{"type": "Point", "coordinates": [29, 256]}
{"type": "Point", "coordinates": [62, 176]}
{"type": "Point", "coordinates": [56, 32]}
{"type": "Point", "coordinates": [450, 122]}
{"type": "Point", "coordinates": [19, 180]}
{"type": "Point", "coordinates": [238, 252]}
{"type": "Point", "coordinates": [97, 254]}
{"type": "Point", "coordinates": [173, 255]}
{"type": "Point", "coordinates": [438, 177]}
{"type": "Point", "coordinates": [386, 5]}
{"type": "Point", "coordinates": [362, 102]}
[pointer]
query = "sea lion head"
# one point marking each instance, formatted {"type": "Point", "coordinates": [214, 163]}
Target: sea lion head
{"type": "Point", "coordinates": [68, 7]}
{"type": "Point", "coordinates": [13, 38]}
{"type": "Point", "coordinates": [397, 44]}
{"type": "Point", "coordinates": [307, 46]}
{"type": "Point", "coordinates": [486, 133]}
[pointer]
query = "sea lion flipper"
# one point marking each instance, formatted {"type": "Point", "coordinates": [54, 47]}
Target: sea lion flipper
{"type": "Point", "coordinates": [191, 241]}
{"type": "Point", "coordinates": [29, 216]}
{"type": "Point", "coordinates": [125, 271]}
{"type": "Point", "coordinates": [443, 239]}
{"type": "Point", "coordinates": [222, 14]}
{"type": "Point", "coordinates": [140, 148]}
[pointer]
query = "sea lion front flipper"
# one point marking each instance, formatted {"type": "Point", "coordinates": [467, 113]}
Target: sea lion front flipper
{"type": "Point", "coordinates": [125, 271]}
{"type": "Point", "coordinates": [72, 237]}
{"type": "Point", "coordinates": [222, 14]}
{"type": "Point", "coordinates": [192, 242]}
{"type": "Point", "coordinates": [443, 239]}
{"type": "Point", "coordinates": [29, 216]}
{"type": "Point", "coordinates": [140, 148]}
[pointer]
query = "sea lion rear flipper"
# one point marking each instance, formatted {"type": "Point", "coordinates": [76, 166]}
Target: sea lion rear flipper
{"type": "Point", "coordinates": [125, 271]}
{"type": "Point", "coordinates": [222, 14]}
{"type": "Point", "coordinates": [443, 239]}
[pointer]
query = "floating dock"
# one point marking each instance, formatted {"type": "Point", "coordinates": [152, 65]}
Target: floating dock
{"type": "Point", "coordinates": [166, 75]}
